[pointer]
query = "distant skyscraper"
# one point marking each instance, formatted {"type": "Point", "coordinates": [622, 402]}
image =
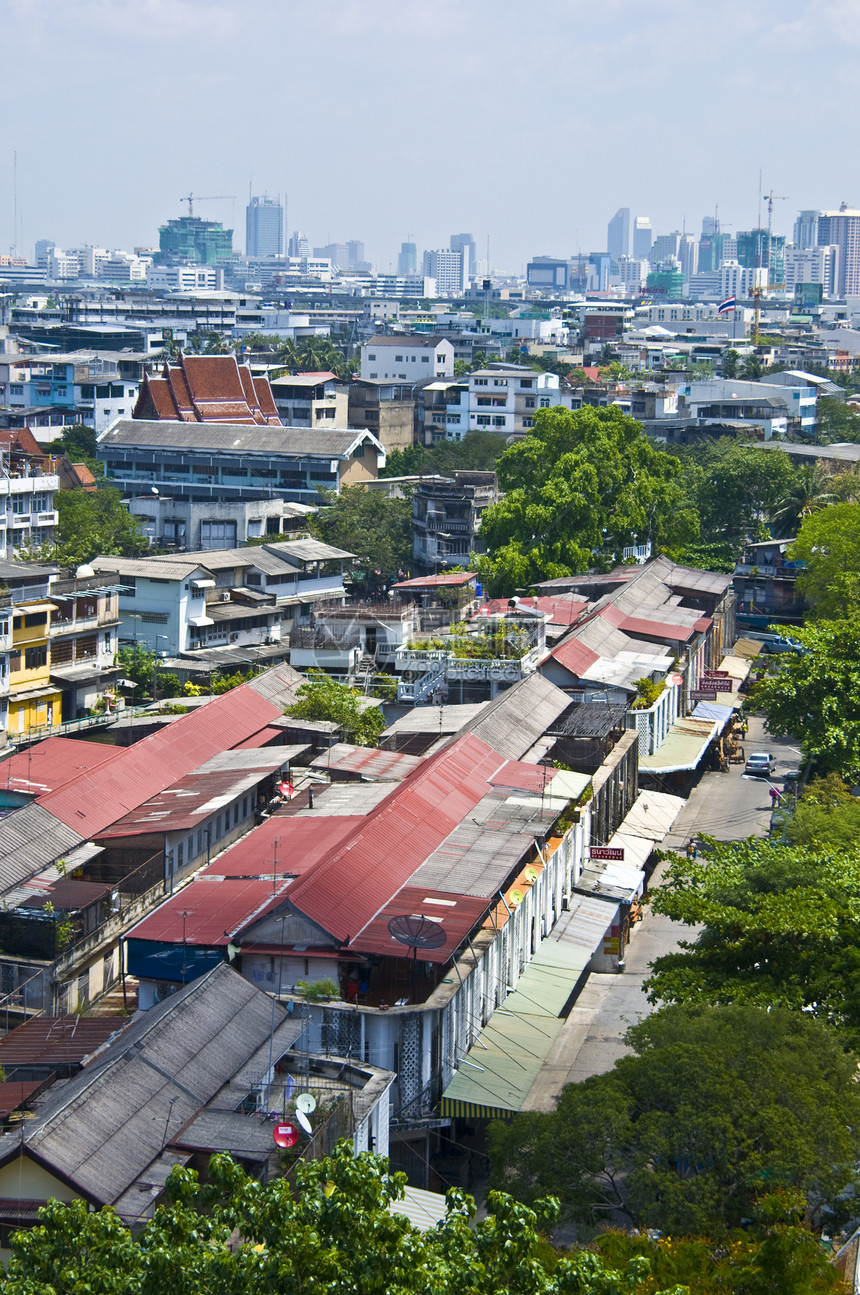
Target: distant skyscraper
{"type": "Point", "coordinates": [710, 226]}
{"type": "Point", "coordinates": [407, 261]}
{"type": "Point", "coordinates": [300, 244]}
{"type": "Point", "coordinates": [841, 229]}
{"type": "Point", "coordinates": [461, 242]}
{"type": "Point", "coordinates": [264, 227]}
{"type": "Point", "coordinates": [806, 229]}
{"type": "Point", "coordinates": [354, 253]}
{"type": "Point", "coordinates": [449, 269]}
{"type": "Point", "coordinates": [643, 236]}
{"type": "Point", "coordinates": [618, 234]}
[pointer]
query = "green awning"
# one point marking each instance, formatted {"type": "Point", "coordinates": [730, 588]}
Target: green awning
{"type": "Point", "coordinates": [501, 1066]}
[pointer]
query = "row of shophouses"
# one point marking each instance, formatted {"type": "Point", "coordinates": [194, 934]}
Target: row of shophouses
{"type": "Point", "coordinates": [426, 907]}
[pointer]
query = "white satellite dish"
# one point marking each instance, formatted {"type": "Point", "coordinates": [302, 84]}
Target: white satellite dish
{"type": "Point", "coordinates": [303, 1121]}
{"type": "Point", "coordinates": [306, 1103]}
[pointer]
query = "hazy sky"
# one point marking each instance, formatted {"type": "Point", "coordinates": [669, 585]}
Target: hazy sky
{"type": "Point", "coordinates": [528, 122]}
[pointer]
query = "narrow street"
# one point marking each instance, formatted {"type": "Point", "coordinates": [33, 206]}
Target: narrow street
{"type": "Point", "coordinates": [723, 805]}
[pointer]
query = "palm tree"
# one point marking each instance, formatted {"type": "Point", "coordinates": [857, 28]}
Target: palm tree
{"type": "Point", "coordinates": [810, 492]}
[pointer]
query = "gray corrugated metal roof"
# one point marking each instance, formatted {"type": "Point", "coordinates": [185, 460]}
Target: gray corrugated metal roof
{"type": "Point", "coordinates": [235, 438]}
{"type": "Point", "coordinates": [30, 839]}
{"type": "Point", "coordinates": [105, 1126]}
{"type": "Point", "coordinates": [307, 550]}
{"type": "Point", "coordinates": [168, 570]}
{"type": "Point", "coordinates": [513, 722]}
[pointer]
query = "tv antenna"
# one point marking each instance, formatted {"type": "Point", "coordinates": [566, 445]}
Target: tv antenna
{"type": "Point", "coordinates": [417, 932]}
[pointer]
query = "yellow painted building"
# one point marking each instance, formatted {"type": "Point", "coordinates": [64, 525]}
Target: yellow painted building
{"type": "Point", "coordinates": [33, 700]}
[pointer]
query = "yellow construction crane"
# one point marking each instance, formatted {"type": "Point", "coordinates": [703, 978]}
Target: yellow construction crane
{"type": "Point", "coordinates": [191, 198]}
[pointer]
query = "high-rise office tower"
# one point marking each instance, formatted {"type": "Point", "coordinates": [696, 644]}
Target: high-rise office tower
{"type": "Point", "coordinates": [841, 229]}
{"type": "Point", "coordinates": [806, 229]}
{"type": "Point", "coordinates": [264, 227]}
{"type": "Point", "coordinates": [618, 234]}
{"type": "Point", "coordinates": [643, 236]}
{"type": "Point", "coordinates": [407, 261]}
{"type": "Point", "coordinates": [300, 244]}
{"type": "Point", "coordinates": [466, 242]}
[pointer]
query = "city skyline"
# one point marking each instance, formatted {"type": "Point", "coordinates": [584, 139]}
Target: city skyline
{"type": "Point", "coordinates": [621, 100]}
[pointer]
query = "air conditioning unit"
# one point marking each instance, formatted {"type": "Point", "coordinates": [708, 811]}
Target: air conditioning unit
{"type": "Point", "coordinates": [234, 638]}
{"type": "Point", "coordinates": [225, 597]}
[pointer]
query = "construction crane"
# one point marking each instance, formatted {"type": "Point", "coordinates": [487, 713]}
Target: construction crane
{"type": "Point", "coordinates": [191, 198]}
{"type": "Point", "coordinates": [758, 289]}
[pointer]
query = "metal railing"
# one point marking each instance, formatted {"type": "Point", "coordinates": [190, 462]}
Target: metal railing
{"type": "Point", "coordinates": [37, 733]}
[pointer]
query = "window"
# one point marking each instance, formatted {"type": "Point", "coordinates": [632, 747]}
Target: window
{"type": "Point", "coordinates": [235, 813]}
{"type": "Point", "coordinates": [16, 389]}
{"type": "Point", "coordinates": [425, 359]}
{"type": "Point", "coordinates": [373, 375]}
{"type": "Point", "coordinates": [481, 382]}
{"type": "Point", "coordinates": [398, 359]}
{"type": "Point", "coordinates": [180, 855]}
{"type": "Point", "coordinates": [358, 452]}
{"type": "Point", "coordinates": [544, 402]}
{"type": "Point", "coordinates": [217, 535]}
{"type": "Point", "coordinates": [499, 422]}
{"type": "Point", "coordinates": [527, 382]}
{"type": "Point", "coordinates": [484, 420]}
{"type": "Point", "coordinates": [371, 357]}
{"type": "Point", "coordinates": [154, 618]}
{"type": "Point", "coordinates": [453, 418]}
{"type": "Point", "coordinates": [35, 658]}
{"type": "Point", "coordinates": [440, 359]}
{"type": "Point", "coordinates": [244, 806]}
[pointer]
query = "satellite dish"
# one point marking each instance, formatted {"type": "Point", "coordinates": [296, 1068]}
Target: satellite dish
{"type": "Point", "coordinates": [306, 1103]}
{"type": "Point", "coordinates": [515, 897]}
{"type": "Point", "coordinates": [84, 570]}
{"type": "Point", "coordinates": [531, 873]}
{"type": "Point", "coordinates": [285, 1135]}
{"type": "Point", "coordinates": [417, 932]}
{"type": "Point", "coordinates": [303, 1120]}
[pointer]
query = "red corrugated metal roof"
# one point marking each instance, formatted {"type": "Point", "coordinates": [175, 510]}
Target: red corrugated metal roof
{"type": "Point", "coordinates": [561, 611]}
{"type": "Point", "coordinates": [574, 656]}
{"type": "Point", "coordinates": [266, 737]}
{"type": "Point", "coordinates": [456, 914]}
{"type": "Point", "coordinates": [298, 843]}
{"type": "Point", "coordinates": [51, 763]}
{"type": "Point", "coordinates": [57, 1040]}
{"type": "Point", "coordinates": [96, 799]}
{"type": "Point", "coordinates": [211, 910]}
{"type": "Point", "coordinates": [517, 776]}
{"type": "Point", "coordinates": [347, 889]}
{"type": "Point", "coordinates": [656, 629]}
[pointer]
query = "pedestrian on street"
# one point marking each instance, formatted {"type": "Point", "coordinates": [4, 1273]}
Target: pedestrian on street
{"type": "Point", "coordinates": [774, 797]}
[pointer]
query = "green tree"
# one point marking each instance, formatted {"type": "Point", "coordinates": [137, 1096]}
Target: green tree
{"type": "Point", "coordinates": [77, 442]}
{"type": "Point", "coordinates": [778, 927]}
{"type": "Point", "coordinates": [334, 1235]}
{"type": "Point", "coordinates": [827, 816]}
{"type": "Point", "coordinates": [136, 664]}
{"type": "Point", "coordinates": [322, 698]}
{"type": "Point", "coordinates": [810, 491]}
{"type": "Point", "coordinates": [814, 695]}
{"type": "Point", "coordinates": [93, 523]}
{"type": "Point", "coordinates": [828, 543]}
{"type": "Point", "coordinates": [478, 451]}
{"type": "Point", "coordinates": [734, 487]}
{"type": "Point", "coordinates": [730, 364]}
{"type": "Point", "coordinates": [378, 530]}
{"type": "Point", "coordinates": [579, 489]}
{"type": "Point", "coordinates": [716, 1107]}
{"type": "Point", "coordinates": [836, 422]}
{"type": "Point", "coordinates": [751, 369]}
{"type": "Point", "coordinates": [774, 1255]}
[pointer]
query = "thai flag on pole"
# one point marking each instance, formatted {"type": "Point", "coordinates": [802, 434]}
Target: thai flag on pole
{"type": "Point", "coordinates": [728, 304]}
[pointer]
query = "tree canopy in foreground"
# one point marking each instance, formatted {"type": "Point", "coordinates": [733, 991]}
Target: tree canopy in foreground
{"type": "Point", "coordinates": [778, 927]}
{"type": "Point", "coordinates": [378, 530]}
{"type": "Point", "coordinates": [93, 523]}
{"type": "Point", "coordinates": [334, 1236]}
{"type": "Point", "coordinates": [718, 1107]}
{"type": "Point", "coordinates": [814, 695]}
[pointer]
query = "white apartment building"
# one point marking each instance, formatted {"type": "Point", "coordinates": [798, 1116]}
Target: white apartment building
{"type": "Point", "coordinates": [503, 400]}
{"type": "Point", "coordinates": [738, 280]}
{"type": "Point", "coordinates": [417, 358]}
{"type": "Point", "coordinates": [27, 515]}
{"type": "Point", "coordinates": [449, 269]}
{"type": "Point", "coordinates": [812, 265]}
{"type": "Point", "coordinates": [185, 278]}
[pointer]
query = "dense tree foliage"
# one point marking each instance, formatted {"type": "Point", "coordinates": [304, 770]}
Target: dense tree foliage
{"type": "Point", "coordinates": [735, 488]}
{"type": "Point", "coordinates": [378, 530]}
{"type": "Point", "coordinates": [814, 695]}
{"type": "Point", "coordinates": [827, 815]}
{"type": "Point", "coordinates": [322, 698]}
{"type": "Point", "coordinates": [778, 927]}
{"type": "Point", "coordinates": [334, 1235]}
{"type": "Point", "coordinates": [773, 1255]}
{"type": "Point", "coordinates": [92, 523]}
{"type": "Point", "coordinates": [78, 443]}
{"type": "Point", "coordinates": [836, 422]}
{"type": "Point", "coordinates": [477, 452]}
{"type": "Point", "coordinates": [579, 489]}
{"type": "Point", "coordinates": [828, 542]}
{"type": "Point", "coordinates": [717, 1107]}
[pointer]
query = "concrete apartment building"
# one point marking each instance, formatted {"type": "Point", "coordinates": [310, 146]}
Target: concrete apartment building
{"type": "Point", "coordinates": [502, 399]}
{"type": "Point", "coordinates": [446, 518]}
{"type": "Point", "coordinates": [415, 358]}
{"type": "Point", "coordinates": [388, 409]}
{"type": "Point", "coordinates": [311, 400]}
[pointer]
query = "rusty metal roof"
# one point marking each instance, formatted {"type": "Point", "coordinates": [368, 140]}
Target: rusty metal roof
{"type": "Point", "coordinates": [367, 762]}
{"type": "Point", "coordinates": [49, 764]}
{"type": "Point", "coordinates": [57, 1041]}
{"type": "Point", "coordinates": [456, 914]}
